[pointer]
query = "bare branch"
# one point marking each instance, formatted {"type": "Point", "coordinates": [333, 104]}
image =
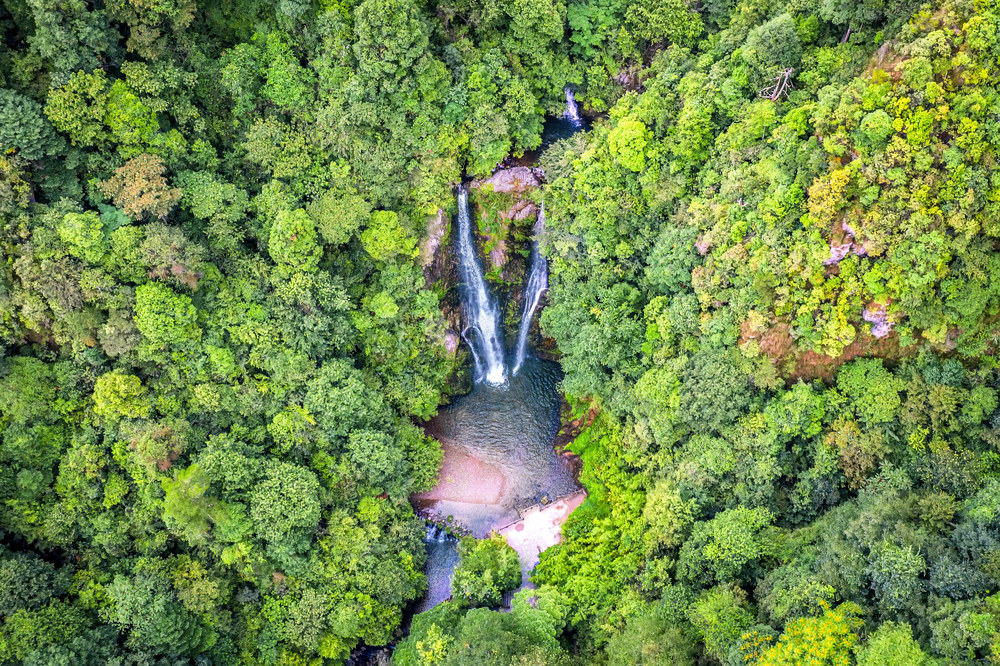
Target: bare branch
{"type": "Point", "coordinates": [780, 86]}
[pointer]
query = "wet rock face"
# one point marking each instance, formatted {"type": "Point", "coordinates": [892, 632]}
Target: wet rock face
{"type": "Point", "coordinates": [876, 315]}
{"type": "Point", "coordinates": [498, 255]}
{"type": "Point", "coordinates": [511, 181]}
{"type": "Point", "coordinates": [435, 234]}
{"type": "Point", "coordinates": [506, 209]}
{"type": "Point", "coordinates": [437, 260]}
{"type": "Point", "coordinates": [432, 253]}
{"type": "Point", "coordinates": [512, 209]}
{"type": "Point", "coordinates": [451, 341]}
{"type": "Point", "coordinates": [521, 211]}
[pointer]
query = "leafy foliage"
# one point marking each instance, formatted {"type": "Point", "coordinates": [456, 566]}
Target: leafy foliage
{"type": "Point", "coordinates": [775, 308]}
{"type": "Point", "coordinates": [486, 569]}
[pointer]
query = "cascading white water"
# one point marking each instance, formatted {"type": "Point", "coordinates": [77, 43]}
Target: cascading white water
{"type": "Point", "coordinates": [481, 312]}
{"type": "Point", "coordinates": [572, 112]}
{"type": "Point", "coordinates": [538, 282]}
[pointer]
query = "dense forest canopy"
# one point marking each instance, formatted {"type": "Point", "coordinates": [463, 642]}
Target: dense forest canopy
{"type": "Point", "coordinates": [774, 293]}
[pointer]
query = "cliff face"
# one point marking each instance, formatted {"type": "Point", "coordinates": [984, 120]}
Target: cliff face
{"type": "Point", "coordinates": [505, 208]}
{"type": "Point", "coordinates": [437, 257]}
{"type": "Point", "coordinates": [432, 258]}
{"type": "Point", "coordinates": [504, 211]}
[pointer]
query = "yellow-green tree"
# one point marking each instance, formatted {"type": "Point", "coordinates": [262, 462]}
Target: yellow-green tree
{"type": "Point", "coordinates": [826, 640]}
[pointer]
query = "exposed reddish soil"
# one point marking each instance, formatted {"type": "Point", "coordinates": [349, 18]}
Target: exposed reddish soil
{"type": "Point", "coordinates": [811, 365]}
{"type": "Point", "coordinates": [779, 346]}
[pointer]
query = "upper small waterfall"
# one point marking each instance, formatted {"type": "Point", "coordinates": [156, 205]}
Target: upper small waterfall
{"type": "Point", "coordinates": [572, 112]}
{"type": "Point", "coordinates": [482, 315]}
{"type": "Point", "coordinates": [538, 282]}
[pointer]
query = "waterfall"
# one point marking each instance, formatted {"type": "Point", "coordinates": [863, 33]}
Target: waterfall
{"type": "Point", "coordinates": [572, 112]}
{"type": "Point", "coordinates": [482, 315]}
{"type": "Point", "coordinates": [436, 534]}
{"type": "Point", "coordinates": [538, 282]}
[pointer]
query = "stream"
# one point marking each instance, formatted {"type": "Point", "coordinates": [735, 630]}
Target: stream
{"type": "Point", "coordinates": [498, 439]}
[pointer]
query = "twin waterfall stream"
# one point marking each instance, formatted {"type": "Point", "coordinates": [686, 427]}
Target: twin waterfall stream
{"type": "Point", "coordinates": [483, 331]}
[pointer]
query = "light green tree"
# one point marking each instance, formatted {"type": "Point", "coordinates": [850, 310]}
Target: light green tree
{"type": "Point", "coordinates": [385, 238]}
{"type": "Point", "coordinates": [487, 568]}
{"type": "Point", "coordinates": [165, 317]}
{"type": "Point", "coordinates": [119, 395]}
{"type": "Point", "coordinates": [292, 242]}
{"type": "Point", "coordinates": [84, 234]}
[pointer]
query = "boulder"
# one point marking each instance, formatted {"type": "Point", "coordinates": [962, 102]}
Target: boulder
{"type": "Point", "coordinates": [451, 341]}
{"type": "Point", "coordinates": [521, 211]}
{"type": "Point", "coordinates": [512, 180]}
{"type": "Point", "coordinates": [876, 315]}
{"type": "Point", "coordinates": [498, 255]}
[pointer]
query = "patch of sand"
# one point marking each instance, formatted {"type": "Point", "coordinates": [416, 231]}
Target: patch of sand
{"type": "Point", "coordinates": [467, 479]}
